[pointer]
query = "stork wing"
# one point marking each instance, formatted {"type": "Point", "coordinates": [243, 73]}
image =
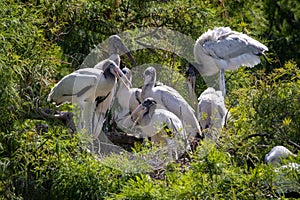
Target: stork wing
{"type": "Point", "coordinates": [233, 44]}
{"type": "Point", "coordinates": [71, 85]}
{"type": "Point", "coordinates": [173, 100]}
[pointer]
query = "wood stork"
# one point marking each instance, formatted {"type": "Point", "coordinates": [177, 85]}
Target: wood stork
{"type": "Point", "coordinates": [162, 126]}
{"type": "Point", "coordinates": [128, 100]}
{"type": "Point", "coordinates": [115, 48]}
{"type": "Point", "coordinates": [84, 86]}
{"type": "Point", "coordinates": [222, 49]}
{"type": "Point", "coordinates": [211, 110]}
{"type": "Point", "coordinates": [285, 180]}
{"type": "Point", "coordinates": [276, 154]}
{"type": "Point", "coordinates": [172, 101]}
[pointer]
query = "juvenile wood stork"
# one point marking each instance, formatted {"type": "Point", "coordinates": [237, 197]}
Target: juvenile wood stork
{"type": "Point", "coordinates": [128, 100]}
{"type": "Point", "coordinates": [222, 49]}
{"type": "Point", "coordinates": [172, 101]}
{"type": "Point", "coordinates": [162, 126]}
{"type": "Point", "coordinates": [86, 85]}
{"type": "Point", "coordinates": [211, 112]}
{"type": "Point", "coordinates": [285, 179]}
{"type": "Point", "coordinates": [115, 48]}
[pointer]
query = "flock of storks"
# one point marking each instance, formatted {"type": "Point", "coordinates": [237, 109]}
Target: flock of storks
{"type": "Point", "coordinates": [158, 110]}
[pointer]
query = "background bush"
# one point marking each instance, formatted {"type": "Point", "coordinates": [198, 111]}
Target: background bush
{"type": "Point", "coordinates": [43, 40]}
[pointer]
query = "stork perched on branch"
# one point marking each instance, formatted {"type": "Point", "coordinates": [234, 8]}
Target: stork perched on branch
{"type": "Point", "coordinates": [222, 49]}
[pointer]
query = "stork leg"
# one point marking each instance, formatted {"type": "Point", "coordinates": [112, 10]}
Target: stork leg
{"type": "Point", "coordinates": [222, 82]}
{"type": "Point", "coordinates": [80, 118]}
{"type": "Point", "coordinates": [192, 86]}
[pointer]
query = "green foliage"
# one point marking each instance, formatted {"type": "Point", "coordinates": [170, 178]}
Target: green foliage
{"type": "Point", "coordinates": [44, 40]}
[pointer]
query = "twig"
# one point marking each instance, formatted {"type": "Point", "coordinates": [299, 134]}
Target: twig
{"type": "Point", "coordinates": [65, 117]}
{"type": "Point", "coordinates": [256, 135]}
{"type": "Point", "coordinates": [293, 143]}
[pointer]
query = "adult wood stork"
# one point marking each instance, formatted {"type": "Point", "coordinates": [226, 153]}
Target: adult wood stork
{"type": "Point", "coordinates": [128, 100]}
{"type": "Point", "coordinates": [172, 101]}
{"type": "Point", "coordinates": [222, 49]}
{"type": "Point", "coordinates": [162, 126]}
{"type": "Point", "coordinates": [84, 86]}
{"type": "Point", "coordinates": [211, 111]}
{"type": "Point", "coordinates": [285, 177]}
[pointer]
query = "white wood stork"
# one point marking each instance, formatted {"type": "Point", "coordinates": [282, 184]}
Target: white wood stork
{"type": "Point", "coordinates": [222, 49]}
{"type": "Point", "coordinates": [211, 109]}
{"type": "Point", "coordinates": [172, 101]}
{"type": "Point", "coordinates": [84, 86]}
{"type": "Point", "coordinates": [162, 126]}
{"type": "Point", "coordinates": [128, 100]}
{"type": "Point", "coordinates": [285, 179]}
{"type": "Point", "coordinates": [276, 154]}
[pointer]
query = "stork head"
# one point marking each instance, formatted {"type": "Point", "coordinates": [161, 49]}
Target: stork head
{"type": "Point", "coordinates": [150, 76]}
{"type": "Point", "coordinates": [115, 43]}
{"type": "Point", "coordinates": [149, 102]}
{"type": "Point", "coordinates": [278, 153]}
{"type": "Point", "coordinates": [117, 72]}
{"type": "Point", "coordinates": [147, 107]}
{"type": "Point", "coordinates": [127, 73]}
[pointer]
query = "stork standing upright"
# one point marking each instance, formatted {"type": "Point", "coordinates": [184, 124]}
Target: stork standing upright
{"type": "Point", "coordinates": [84, 86]}
{"type": "Point", "coordinates": [162, 126]}
{"type": "Point", "coordinates": [222, 49]}
{"type": "Point", "coordinates": [115, 46]}
{"type": "Point", "coordinates": [171, 100]}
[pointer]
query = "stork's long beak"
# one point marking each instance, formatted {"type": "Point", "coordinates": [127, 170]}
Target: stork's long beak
{"type": "Point", "coordinates": [122, 77]}
{"type": "Point", "coordinates": [137, 111]}
{"type": "Point", "coordinates": [125, 50]}
{"type": "Point", "coordinates": [131, 58]}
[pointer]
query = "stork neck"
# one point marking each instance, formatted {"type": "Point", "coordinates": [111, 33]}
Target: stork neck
{"type": "Point", "coordinates": [148, 86]}
{"type": "Point", "coordinates": [146, 119]}
{"type": "Point", "coordinates": [116, 58]}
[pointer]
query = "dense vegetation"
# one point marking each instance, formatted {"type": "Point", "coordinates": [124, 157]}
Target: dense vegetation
{"type": "Point", "coordinates": [43, 40]}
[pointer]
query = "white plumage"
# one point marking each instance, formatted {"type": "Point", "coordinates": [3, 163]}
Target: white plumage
{"type": "Point", "coordinates": [162, 126]}
{"type": "Point", "coordinates": [128, 99]}
{"type": "Point", "coordinates": [84, 86]}
{"type": "Point", "coordinates": [276, 154]}
{"type": "Point", "coordinates": [211, 111]}
{"type": "Point", "coordinates": [222, 49]}
{"type": "Point", "coordinates": [171, 100]}
{"type": "Point", "coordinates": [285, 177]}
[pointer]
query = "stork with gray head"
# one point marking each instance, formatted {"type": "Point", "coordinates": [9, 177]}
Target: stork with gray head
{"type": "Point", "coordinates": [169, 99]}
{"type": "Point", "coordinates": [116, 47]}
{"type": "Point", "coordinates": [162, 126]}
